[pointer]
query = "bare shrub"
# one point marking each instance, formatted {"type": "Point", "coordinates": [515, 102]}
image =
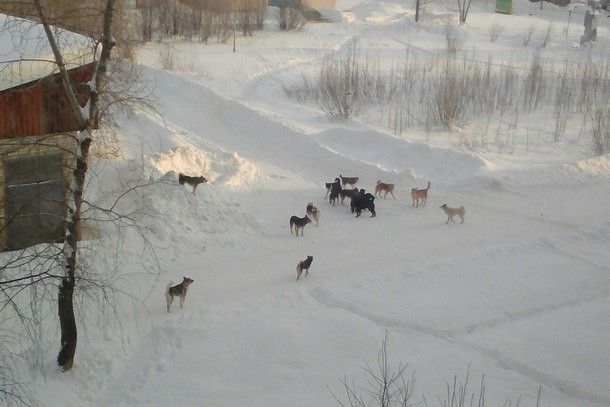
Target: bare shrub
{"type": "Point", "coordinates": [223, 27]}
{"type": "Point", "coordinates": [167, 57]}
{"type": "Point", "coordinates": [534, 84]}
{"type": "Point", "coordinates": [453, 39]}
{"type": "Point", "coordinates": [547, 35]}
{"type": "Point", "coordinates": [447, 94]}
{"type": "Point", "coordinates": [12, 392]}
{"type": "Point", "coordinates": [494, 32]}
{"type": "Point", "coordinates": [460, 395]}
{"type": "Point", "coordinates": [601, 131]}
{"type": "Point", "coordinates": [290, 19]}
{"type": "Point", "coordinates": [341, 84]}
{"type": "Point", "coordinates": [386, 388]}
{"type": "Point", "coordinates": [528, 35]}
{"type": "Point", "coordinates": [206, 27]}
{"type": "Point", "coordinates": [306, 90]}
{"type": "Point", "coordinates": [561, 107]}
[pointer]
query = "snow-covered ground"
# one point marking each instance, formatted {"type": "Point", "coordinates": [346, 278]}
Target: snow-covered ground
{"type": "Point", "coordinates": [519, 293]}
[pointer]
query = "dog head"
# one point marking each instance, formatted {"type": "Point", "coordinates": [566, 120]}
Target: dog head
{"type": "Point", "coordinates": [187, 281]}
{"type": "Point", "coordinates": [443, 206]}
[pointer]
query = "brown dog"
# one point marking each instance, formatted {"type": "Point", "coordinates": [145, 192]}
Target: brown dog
{"type": "Point", "coordinates": [451, 212]}
{"type": "Point", "coordinates": [385, 188]}
{"type": "Point", "coordinates": [348, 193]}
{"type": "Point", "coordinates": [304, 265]}
{"type": "Point", "coordinates": [418, 195]}
{"type": "Point", "coordinates": [192, 181]}
{"type": "Point", "coordinates": [177, 291]}
{"type": "Point", "coordinates": [299, 223]}
{"type": "Point", "coordinates": [313, 212]}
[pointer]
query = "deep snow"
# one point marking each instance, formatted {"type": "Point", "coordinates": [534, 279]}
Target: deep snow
{"type": "Point", "coordinates": [519, 293]}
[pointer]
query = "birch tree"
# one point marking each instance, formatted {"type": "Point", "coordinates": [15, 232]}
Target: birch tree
{"type": "Point", "coordinates": [87, 119]}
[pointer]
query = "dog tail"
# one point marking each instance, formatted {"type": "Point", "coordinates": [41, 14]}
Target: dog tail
{"type": "Point", "coordinates": [169, 285]}
{"type": "Point", "coordinates": [181, 178]}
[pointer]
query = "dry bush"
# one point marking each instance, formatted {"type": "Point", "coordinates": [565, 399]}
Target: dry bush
{"type": "Point", "coordinates": [601, 131]}
{"type": "Point", "coordinates": [528, 35]}
{"type": "Point", "coordinates": [453, 39]}
{"type": "Point", "coordinates": [167, 57]}
{"type": "Point", "coordinates": [448, 93]}
{"type": "Point", "coordinates": [341, 83]}
{"type": "Point", "coordinates": [386, 388]}
{"type": "Point", "coordinates": [494, 32]}
{"type": "Point", "coordinates": [290, 19]}
{"type": "Point", "coordinates": [547, 35]}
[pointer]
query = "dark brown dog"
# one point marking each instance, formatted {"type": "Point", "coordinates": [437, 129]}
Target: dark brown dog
{"type": "Point", "coordinates": [192, 181]}
{"type": "Point", "coordinates": [299, 223]}
{"type": "Point", "coordinates": [177, 291]}
{"type": "Point", "coordinates": [304, 265]}
{"type": "Point", "coordinates": [348, 193]}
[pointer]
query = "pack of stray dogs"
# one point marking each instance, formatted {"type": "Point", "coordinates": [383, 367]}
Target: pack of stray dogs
{"type": "Point", "coordinates": [360, 200]}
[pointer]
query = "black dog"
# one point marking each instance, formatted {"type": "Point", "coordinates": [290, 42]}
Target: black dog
{"type": "Point", "coordinates": [298, 223]}
{"type": "Point", "coordinates": [335, 191]}
{"type": "Point", "coordinates": [192, 181]}
{"type": "Point", "coordinates": [361, 201]}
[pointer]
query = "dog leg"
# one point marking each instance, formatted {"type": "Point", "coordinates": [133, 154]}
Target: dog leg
{"type": "Point", "coordinates": [182, 297]}
{"type": "Point", "coordinates": [169, 299]}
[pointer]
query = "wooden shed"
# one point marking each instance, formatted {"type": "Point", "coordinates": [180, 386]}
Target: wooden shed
{"type": "Point", "coordinates": [37, 144]}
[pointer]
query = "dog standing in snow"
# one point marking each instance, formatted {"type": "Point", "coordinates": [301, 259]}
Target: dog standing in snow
{"type": "Point", "coordinates": [177, 291]}
{"type": "Point", "coordinates": [304, 265]}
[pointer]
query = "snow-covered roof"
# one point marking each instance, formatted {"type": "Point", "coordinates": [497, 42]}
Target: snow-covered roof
{"type": "Point", "coordinates": [25, 54]}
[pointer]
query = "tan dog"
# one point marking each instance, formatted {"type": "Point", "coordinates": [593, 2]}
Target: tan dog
{"type": "Point", "coordinates": [418, 195]}
{"type": "Point", "coordinates": [304, 265]}
{"type": "Point", "coordinates": [177, 291]}
{"type": "Point", "coordinates": [451, 212]}
{"type": "Point", "coordinates": [313, 212]}
{"type": "Point", "coordinates": [192, 181]}
{"type": "Point", "coordinates": [386, 188]}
